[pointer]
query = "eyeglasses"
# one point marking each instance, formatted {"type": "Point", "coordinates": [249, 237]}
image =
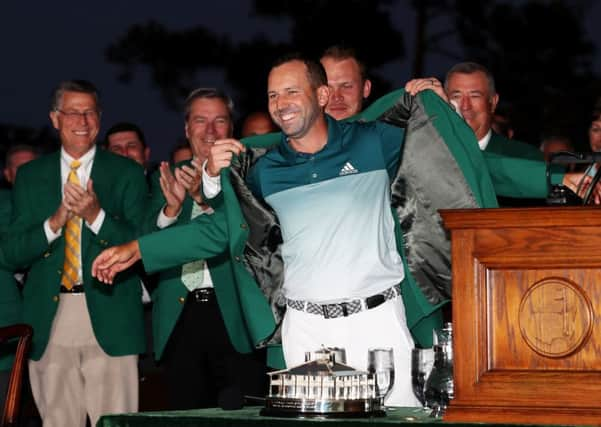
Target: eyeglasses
{"type": "Point", "coordinates": [75, 115]}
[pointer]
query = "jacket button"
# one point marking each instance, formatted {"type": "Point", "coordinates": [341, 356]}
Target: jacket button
{"type": "Point", "coordinates": [46, 254]}
{"type": "Point", "coordinates": [237, 258]}
{"type": "Point", "coordinates": [103, 242]}
{"type": "Point", "coordinates": [181, 300]}
{"type": "Point", "coordinates": [243, 226]}
{"type": "Point", "coordinates": [60, 272]}
{"type": "Point", "coordinates": [55, 298]}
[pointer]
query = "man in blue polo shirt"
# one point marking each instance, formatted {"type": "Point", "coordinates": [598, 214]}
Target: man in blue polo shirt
{"type": "Point", "coordinates": [329, 184]}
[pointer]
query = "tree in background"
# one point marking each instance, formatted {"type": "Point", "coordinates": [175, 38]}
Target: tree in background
{"type": "Point", "coordinates": [175, 57]}
{"type": "Point", "coordinates": [537, 50]}
{"type": "Point", "coordinates": [541, 59]}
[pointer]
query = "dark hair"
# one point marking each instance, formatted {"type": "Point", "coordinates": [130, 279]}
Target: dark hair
{"type": "Point", "coordinates": [341, 52]}
{"type": "Point", "coordinates": [208, 93]}
{"type": "Point", "coordinates": [125, 127]}
{"type": "Point", "coordinates": [316, 74]}
{"type": "Point", "coordinates": [471, 68]}
{"type": "Point", "coordinates": [596, 111]}
{"type": "Point", "coordinates": [82, 86]}
{"type": "Point", "coordinates": [181, 144]}
{"type": "Point", "coordinates": [21, 148]}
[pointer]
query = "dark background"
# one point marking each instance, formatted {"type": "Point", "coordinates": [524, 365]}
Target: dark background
{"type": "Point", "coordinates": [145, 56]}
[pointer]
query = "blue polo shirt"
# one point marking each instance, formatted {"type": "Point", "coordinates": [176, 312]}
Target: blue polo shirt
{"type": "Point", "coordinates": [334, 211]}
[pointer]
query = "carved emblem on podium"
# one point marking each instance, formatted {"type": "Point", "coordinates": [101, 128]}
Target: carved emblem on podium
{"type": "Point", "coordinates": [555, 317]}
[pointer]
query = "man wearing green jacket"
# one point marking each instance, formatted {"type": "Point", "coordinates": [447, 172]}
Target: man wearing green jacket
{"type": "Point", "coordinates": [10, 299]}
{"type": "Point", "coordinates": [10, 296]}
{"type": "Point", "coordinates": [69, 206]}
{"type": "Point", "coordinates": [434, 134]}
{"type": "Point", "coordinates": [198, 330]}
{"type": "Point", "coordinates": [471, 88]}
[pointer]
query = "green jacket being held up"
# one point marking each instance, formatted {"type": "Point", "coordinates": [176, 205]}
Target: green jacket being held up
{"type": "Point", "coordinates": [441, 167]}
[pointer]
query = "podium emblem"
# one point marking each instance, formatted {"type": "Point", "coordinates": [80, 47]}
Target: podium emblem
{"type": "Point", "coordinates": [555, 317]}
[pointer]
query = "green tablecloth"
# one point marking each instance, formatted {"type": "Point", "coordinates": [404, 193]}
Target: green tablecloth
{"type": "Point", "coordinates": [249, 417]}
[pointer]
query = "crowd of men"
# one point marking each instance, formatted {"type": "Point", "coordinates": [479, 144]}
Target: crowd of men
{"type": "Point", "coordinates": [227, 233]}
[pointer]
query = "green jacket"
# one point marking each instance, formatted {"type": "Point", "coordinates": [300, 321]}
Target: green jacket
{"type": "Point", "coordinates": [10, 296]}
{"type": "Point", "coordinates": [115, 311]}
{"type": "Point", "coordinates": [433, 129]}
{"type": "Point", "coordinates": [499, 144]}
{"type": "Point", "coordinates": [170, 294]}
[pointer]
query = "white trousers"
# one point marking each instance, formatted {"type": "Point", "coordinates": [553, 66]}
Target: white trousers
{"type": "Point", "coordinates": [75, 376]}
{"type": "Point", "coordinates": [382, 326]}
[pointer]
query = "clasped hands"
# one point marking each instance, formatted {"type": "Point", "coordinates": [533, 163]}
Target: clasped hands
{"type": "Point", "coordinates": [77, 201]}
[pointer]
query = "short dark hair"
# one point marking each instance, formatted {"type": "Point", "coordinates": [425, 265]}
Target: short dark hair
{"type": "Point", "coordinates": [208, 93]}
{"type": "Point", "coordinates": [471, 68]}
{"type": "Point", "coordinates": [341, 52]}
{"type": "Point", "coordinates": [82, 86]}
{"type": "Point", "coordinates": [125, 127]}
{"type": "Point", "coordinates": [596, 111]}
{"type": "Point", "coordinates": [316, 74]}
{"type": "Point", "coordinates": [180, 145]}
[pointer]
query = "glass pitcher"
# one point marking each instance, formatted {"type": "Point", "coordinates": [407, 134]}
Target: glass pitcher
{"type": "Point", "coordinates": [439, 386]}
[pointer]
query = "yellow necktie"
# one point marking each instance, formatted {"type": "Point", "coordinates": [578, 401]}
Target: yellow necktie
{"type": "Point", "coordinates": [72, 263]}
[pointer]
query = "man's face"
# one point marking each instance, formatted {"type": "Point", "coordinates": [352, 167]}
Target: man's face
{"type": "Point", "coordinates": [14, 162]}
{"type": "Point", "coordinates": [347, 90]}
{"type": "Point", "coordinates": [555, 146]}
{"type": "Point", "coordinates": [181, 154]}
{"type": "Point", "coordinates": [77, 122]}
{"type": "Point", "coordinates": [471, 95]}
{"type": "Point", "coordinates": [208, 121]}
{"type": "Point", "coordinates": [257, 124]}
{"type": "Point", "coordinates": [128, 144]}
{"type": "Point", "coordinates": [594, 135]}
{"type": "Point", "coordinates": [293, 104]}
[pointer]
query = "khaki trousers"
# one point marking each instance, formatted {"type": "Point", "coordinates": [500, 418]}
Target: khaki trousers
{"type": "Point", "coordinates": [75, 376]}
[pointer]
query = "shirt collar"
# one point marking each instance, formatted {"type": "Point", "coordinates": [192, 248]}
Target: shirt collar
{"type": "Point", "coordinates": [85, 160]}
{"type": "Point", "coordinates": [334, 141]}
{"type": "Point", "coordinates": [483, 143]}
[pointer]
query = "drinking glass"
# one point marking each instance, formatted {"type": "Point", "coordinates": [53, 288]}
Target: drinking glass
{"type": "Point", "coordinates": [380, 362]}
{"type": "Point", "coordinates": [422, 361]}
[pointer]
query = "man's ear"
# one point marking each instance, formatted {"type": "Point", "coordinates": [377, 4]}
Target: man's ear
{"type": "Point", "coordinates": [366, 88]}
{"type": "Point", "coordinates": [494, 100]}
{"type": "Point", "coordinates": [54, 119]}
{"type": "Point", "coordinates": [323, 95]}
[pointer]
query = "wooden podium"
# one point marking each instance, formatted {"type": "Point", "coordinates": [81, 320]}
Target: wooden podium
{"type": "Point", "coordinates": [526, 315]}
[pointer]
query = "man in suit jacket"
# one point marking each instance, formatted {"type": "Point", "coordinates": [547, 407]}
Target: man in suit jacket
{"type": "Point", "coordinates": [10, 296]}
{"type": "Point", "coordinates": [10, 299]}
{"type": "Point", "coordinates": [68, 206]}
{"type": "Point", "coordinates": [202, 356]}
{"type": "Point", "coordinates": [431, 122]}
{"type": "Point", "coordinates": [471, 89]}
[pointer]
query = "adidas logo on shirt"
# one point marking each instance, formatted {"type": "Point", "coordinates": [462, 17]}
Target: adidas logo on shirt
{"type": "Point", "coordinates": [347, 169]}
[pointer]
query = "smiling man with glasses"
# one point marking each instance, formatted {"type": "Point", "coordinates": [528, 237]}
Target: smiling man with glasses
{"type": "Point", "coordinates": [68, 206]}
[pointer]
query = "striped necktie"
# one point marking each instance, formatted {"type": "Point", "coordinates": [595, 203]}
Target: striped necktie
{"type": "Point", "coordinates": [72, 263]}
{"type": "Point", "coordinates": [193, 272]}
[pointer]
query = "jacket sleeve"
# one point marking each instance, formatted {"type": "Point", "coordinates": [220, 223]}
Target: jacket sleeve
{"type": "Point", "coordinates": [125, 222]}
{"type": "Point", "coordinates": [204, 237]}
{"type": "Point", "coordinates": [515, 177]}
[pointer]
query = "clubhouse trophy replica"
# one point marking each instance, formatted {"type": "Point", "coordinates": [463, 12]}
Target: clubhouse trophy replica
{"type": "Point", "coordinates": [324, 387]}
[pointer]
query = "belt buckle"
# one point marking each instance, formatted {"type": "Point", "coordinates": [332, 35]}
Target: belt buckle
{"type": "Point", "coordinates": [327, 307]}
{"type": "Point", "coordinates": [374, 301]}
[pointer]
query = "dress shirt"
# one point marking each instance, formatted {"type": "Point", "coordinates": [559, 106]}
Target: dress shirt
{"type": "Point", "coordinates": [83, 173]}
